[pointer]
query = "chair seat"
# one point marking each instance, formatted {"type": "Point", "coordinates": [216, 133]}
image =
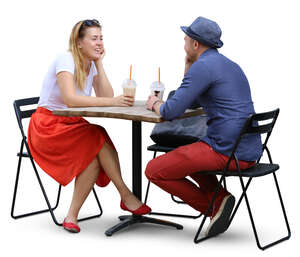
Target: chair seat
{"type": "Point", "coordinates": [160, 148]}
{"type": "Point", "coordinates": [257, 170]}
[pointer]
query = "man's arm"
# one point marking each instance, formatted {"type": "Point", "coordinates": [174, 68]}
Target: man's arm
{"type": "Point", "coordinates": [195, 82]}
{"type": "Point", "coordinates": [152, 104]}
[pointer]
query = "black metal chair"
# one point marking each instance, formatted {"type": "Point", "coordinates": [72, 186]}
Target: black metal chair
{"type": "Point", "coordinates": [20, 116]}
{"type": "Point", "coordinates": [251, 126]}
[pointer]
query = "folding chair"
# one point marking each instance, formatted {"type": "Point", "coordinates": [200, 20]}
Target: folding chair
{"type": "Point", "coordinates": [251, 126]}
{"type": "Point", "coordinates": [20, 116]}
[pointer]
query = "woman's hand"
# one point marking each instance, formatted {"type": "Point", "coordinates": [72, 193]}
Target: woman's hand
{"type": "Point", "coordinates": [102, 54]}
{"type": "Point", "coordinates": [123, 101]}
{"type": "Point", "coordinates": [98, 62]}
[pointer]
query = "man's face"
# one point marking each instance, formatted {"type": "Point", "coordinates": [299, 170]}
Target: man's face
{"type": "Point", "coordinates": [189, 47]}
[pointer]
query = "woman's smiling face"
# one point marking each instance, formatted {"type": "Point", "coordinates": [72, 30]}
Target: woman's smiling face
{"type": "Point", "coordinates": [91, 45]}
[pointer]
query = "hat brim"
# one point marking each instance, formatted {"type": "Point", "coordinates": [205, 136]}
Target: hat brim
{"type": "Point", "coordinates": [192, 35]}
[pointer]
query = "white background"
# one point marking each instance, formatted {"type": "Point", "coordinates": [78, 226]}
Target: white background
{"type": "Point", "coordinates": [261, 36]}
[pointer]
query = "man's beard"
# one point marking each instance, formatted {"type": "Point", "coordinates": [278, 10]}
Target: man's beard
{"type": "Point", "coordinates": [192, 57]}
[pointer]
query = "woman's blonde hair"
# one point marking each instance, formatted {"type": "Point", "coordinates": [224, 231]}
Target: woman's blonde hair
{"type": "Point", "coordinates": [78, 32]}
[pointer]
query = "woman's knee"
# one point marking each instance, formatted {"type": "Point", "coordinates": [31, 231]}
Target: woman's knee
{"type": "Point", "coordinates": [94, 165]}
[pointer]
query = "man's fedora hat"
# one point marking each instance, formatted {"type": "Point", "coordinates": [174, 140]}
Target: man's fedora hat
{"type": "Point", "coordinates": [204, 31]}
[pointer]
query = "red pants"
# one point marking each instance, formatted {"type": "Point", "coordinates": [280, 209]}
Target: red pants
{"type": "Point", "coordinates": [169, 172]}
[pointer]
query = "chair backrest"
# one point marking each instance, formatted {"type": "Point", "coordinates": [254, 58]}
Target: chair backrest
{"type": "Point", "coordinates": [25, 113]}
{"type": "Point", "coordinates": [252, 126]}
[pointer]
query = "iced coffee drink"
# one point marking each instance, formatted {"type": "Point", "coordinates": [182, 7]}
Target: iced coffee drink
{"type": "Point", "coordinates": [157, 89]}
{"type": "Point", "coordinates": [129, 91]}
{"type": "Point", "coordinates": [129, 87]}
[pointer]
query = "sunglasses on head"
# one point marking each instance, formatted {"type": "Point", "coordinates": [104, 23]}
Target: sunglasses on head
{"type": "Point", "coordinates": [89, 23]}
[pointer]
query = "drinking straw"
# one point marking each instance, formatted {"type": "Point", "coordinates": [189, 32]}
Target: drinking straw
{"type": "Point", "coordinates": [158, 75]}
{"type": "Point", "coordinates": [130, 72]}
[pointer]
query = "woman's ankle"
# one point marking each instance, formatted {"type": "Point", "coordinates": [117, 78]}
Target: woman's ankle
{"type": "Point", "coordinates": [131, 201]}
{"type": "Point", "coordinates": [71, 218]}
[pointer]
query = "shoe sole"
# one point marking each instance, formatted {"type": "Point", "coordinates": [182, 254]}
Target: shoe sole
{"type": "Point", "coordinates": [72, 230]}
{"type": "Point", "coordinates": [220, 221]}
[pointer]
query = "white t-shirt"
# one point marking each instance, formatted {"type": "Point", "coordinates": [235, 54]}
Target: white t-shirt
{"type": "Point", "coordinates": [50, 97]}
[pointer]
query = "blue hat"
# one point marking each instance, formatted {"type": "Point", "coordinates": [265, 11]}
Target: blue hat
{"type": "Point", "coordinates": [204, 31]}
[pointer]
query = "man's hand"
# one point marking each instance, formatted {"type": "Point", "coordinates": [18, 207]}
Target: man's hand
{"type": "Point", "coordinates": [188, 62]}
{"type": "Point", "coordinates": [152, 100]}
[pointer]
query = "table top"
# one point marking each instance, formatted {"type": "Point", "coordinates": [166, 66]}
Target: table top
{"type": "Point", "coordinates": [138, 112]}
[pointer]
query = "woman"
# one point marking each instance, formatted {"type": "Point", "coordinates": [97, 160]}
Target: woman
{"type": "Point", "coordinates": [68, 147]}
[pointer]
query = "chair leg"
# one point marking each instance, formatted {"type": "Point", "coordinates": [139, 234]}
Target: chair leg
{"type": "Point", "coordinates": [168, 214]}
{"type": "Point", "coordinates": [100, 208]}
{"type": "Point", "coordinates": [50, 209]}
{"type": "Point", "coordinates": [147, 191]}
{"type": "Point", "coordinates": [16, 189]}
{"type": "Point", "coordinates": [252, 220]}
{"type": "Point", "coordinates": [239, 202]}
{"type": "Point", "coordinates": [224, 184]}
{"type": "Point", "coordinates": [196, 238]}
{"type": "Point", "coordinates": [176, 201]}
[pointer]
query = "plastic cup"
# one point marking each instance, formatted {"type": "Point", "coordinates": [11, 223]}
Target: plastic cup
{"type": "Point", "coordinates": [157, 89]}
{"type": "Point", "coordinates": [129, 87]}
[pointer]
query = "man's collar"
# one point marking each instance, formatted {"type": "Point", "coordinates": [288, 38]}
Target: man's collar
{"type": "Point", "coordinates": [209, 51]}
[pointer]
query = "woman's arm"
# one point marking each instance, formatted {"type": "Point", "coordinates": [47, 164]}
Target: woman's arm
{"type": "Point", "coordinates": [101, 83]}
{"type": "Point", "coordinates": [66, 85]}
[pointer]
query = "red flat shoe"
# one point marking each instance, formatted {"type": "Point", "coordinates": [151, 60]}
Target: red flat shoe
{"type": "Point", "coordinates": [144, 209]}
{"type": "Point", "coordinates": [71, 227]}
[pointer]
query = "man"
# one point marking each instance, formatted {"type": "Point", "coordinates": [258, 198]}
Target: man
{"type": "Point", "coordinates": [221, 88]}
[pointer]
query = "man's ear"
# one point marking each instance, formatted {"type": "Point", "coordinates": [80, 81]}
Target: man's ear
{"type": "Point", "coordinates": [195, 44]}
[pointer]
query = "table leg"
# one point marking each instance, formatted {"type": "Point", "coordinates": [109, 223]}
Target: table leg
{"type": "Point", "coordinates": [127, 220]}
{"type": "Point", "coordinates": [137, 159]}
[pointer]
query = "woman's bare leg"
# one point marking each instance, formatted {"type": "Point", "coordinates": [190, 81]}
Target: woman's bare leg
{"type": "Point", "coordinates": [83, 185]}
{"type": "Point", "coordinates": [109, 161]}
{"type": "Point", "coordinates": [85, 181]}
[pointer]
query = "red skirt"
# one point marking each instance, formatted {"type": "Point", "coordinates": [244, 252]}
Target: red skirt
{"type": "Point", "coordinates": [64, 146]}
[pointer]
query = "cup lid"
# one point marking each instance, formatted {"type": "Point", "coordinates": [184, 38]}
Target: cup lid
{"type": "Point", "coordinates": [157, 86]}
{"type": "Point", "coordinates": [129, 83]}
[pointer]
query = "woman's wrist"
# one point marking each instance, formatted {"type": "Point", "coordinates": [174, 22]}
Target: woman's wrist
{"type": "Point", "coordinates": [99, 65]}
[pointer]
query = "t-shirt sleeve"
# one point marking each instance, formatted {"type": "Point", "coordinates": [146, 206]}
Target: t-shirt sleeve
{"type": "Point", "coordinates": [65, 62]}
